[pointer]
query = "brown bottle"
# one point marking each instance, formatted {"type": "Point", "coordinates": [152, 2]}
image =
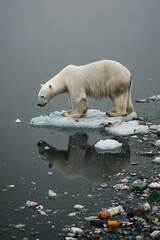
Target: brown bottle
{"type": "Point", "coordinates": [143, 208]}
{"type": "Point", "coordinates": [110, 212]}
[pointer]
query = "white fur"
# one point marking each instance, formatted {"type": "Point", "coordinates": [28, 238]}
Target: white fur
{"type": "Point", "coordinates": [100, 79]}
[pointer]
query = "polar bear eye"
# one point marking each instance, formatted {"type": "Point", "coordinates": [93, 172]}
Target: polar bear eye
{"type": "Point", "coordinates": [42, 96]}
{"type": "Point", "coordinates": [50, 86]}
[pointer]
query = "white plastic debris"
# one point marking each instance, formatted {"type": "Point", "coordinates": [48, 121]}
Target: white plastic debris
{"type": "Point", "coordinates": [156, 160]}
{"type": "Point", "coordinates": [108, 145]}
{"type": "Point", "coordinates": [155, 234]}
{"type": "Point", "coordinates": [17, 120]}
{"type": "Point", "coordinates": [121, 186]}
{"type": "Point", "coordinates": [154, 185]}
{"type": "Point", "coordinates": [51, 193]}
{"type": "Point", "coordinates": [70, 238]}
{"type": "Point", "coordinates": [93, 119]}
{"type": "Point", "coordinates": [31, 204]}
{"type": "Point", "coordinates": [78, 206]}
{"type": "Point", "coordinates": [91, 218]}
{"type": "Point", "coordinates": [127, 129]}
{"type": "Point", "coordinates": [76, 230]}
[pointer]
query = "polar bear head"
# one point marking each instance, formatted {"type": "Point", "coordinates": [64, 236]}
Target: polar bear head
{"type": "Point", "coordinates": [45, 94]}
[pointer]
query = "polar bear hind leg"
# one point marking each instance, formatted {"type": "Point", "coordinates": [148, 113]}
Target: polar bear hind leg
{"type": "Point", "coordinates": [120, 106]}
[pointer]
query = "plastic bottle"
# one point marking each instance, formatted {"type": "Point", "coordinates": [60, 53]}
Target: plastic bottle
{"type": "Point", "coordinates": [110, 212]}
{"type": "Point", "coordinates": [143, 208]}
{"type": "Point", "coordinates": [103, 223]}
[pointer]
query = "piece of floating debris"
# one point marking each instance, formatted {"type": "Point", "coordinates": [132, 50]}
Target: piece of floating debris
{"type": "Point", "coordinates": [155, 234]}
{"type": "Point", "coordinates": [78, 206]}
{"type": "Point", "coordinates": [121, 186]}
{"type": "Point", "coordinates": [76, 230]}
{"type": "Point", "coordinates": [31, 204]}
{"type": "Point", "coordinates": [108, 145]}
{"type": "Point", "coordinates": [34, 204]}
{"type": "Point", "coordinates": [154, 185]}
{"type": "Point", "coordinates": [150, 153]}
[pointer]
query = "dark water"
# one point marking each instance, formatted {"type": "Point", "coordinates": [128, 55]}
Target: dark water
{"type": "Point", "coordinates": [38, 39]}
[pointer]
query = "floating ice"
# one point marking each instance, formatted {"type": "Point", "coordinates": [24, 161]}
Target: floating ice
{"type": "Point", "coordinates": [94, 119]}
{"type": "Point", "coordinates": [51, 193]}
{"type": "Point", "coordinates": [156, 160]}
{"type": "Point", "coordinates": [17, 120]}
{"type": "Point", "coordinates": [127, 129]}
{"type": "Point", "coordinates": [19, 225]}
{"type": "Point", "coordinates": [78, 206]}
{"type": "Point", "coordinates": [108, 145]}
{"type": "Point", "coordinates": [154, 98]}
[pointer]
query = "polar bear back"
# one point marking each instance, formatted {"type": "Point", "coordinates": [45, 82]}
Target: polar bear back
{"type": "Point", "coordinates": [99, 79]}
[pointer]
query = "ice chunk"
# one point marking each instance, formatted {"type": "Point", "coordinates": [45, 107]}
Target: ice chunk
{"type": "Point", "coordinates": [17, 120]}
{"type": "Point", "coordinates": [92, 120]}
{"type": "Point", "coordinates": [108, 145]}
{"type": "Point", "coordinates": [20, 225]}
{"type": "Point", "coordinates": [156, 160]}
{"type": "Point", "coordinates": [127, 129]}
{"type": "Point", "coordinates": [78, 206]}
{"type": "Point", "coordinates": [51, 193]}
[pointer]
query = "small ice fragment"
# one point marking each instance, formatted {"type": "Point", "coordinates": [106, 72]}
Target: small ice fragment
{"type": "Point", "coordinates": [156, 160]}
{"type": "Point", "coordinates": [78, 206]}
{"type": "Point", "coordinates": [108, 145]}
{"type": "Point", "coordinates": [17, 120]}
{"type": "Point", "coordinates": [76, 230]}
{"type": "Point", "coordinates": [50, 173]}
{"type": "Point", "coordinates": [11, 186]}
{"type": "Point", "coordinates": [42, 212]}
{"type": "Point", "coordinates": [20, 225]}
{"type": "Point", "coordinates": [51, 193]}
{"type": "Point", "coordinates": [72, 214]}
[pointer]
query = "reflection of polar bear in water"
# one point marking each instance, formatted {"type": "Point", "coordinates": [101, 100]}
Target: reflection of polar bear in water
{"type": "Point", "coordinates": [81, 159]}
{"type": "Point", "coordinates": [100, 79]}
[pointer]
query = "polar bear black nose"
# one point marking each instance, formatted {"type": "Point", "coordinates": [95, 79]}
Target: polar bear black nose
{"type": "Point", "coordinates": [38, 104]}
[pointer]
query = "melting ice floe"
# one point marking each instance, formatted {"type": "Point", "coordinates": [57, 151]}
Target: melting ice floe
{"type": "Point", "coordinates": [108, 145]}
{"type": "Point", "coordinates": [94, 119]}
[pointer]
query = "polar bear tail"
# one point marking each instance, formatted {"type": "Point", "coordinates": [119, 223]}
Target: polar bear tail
{"type": "Point", "coordinates": [130, 107]}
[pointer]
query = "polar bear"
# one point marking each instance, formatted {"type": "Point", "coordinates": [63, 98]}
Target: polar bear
{"type": "Point", "coordinates": [99, 79]}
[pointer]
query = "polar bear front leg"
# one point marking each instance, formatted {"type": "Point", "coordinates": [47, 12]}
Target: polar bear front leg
{"type": "Point", "coordinates": [79, 107]}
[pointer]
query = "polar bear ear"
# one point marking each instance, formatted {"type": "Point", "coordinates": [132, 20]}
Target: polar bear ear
{"type": "Point", "coordinates": [41, 85]}
{"type": "Point", "coordinates": [50, 86]}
